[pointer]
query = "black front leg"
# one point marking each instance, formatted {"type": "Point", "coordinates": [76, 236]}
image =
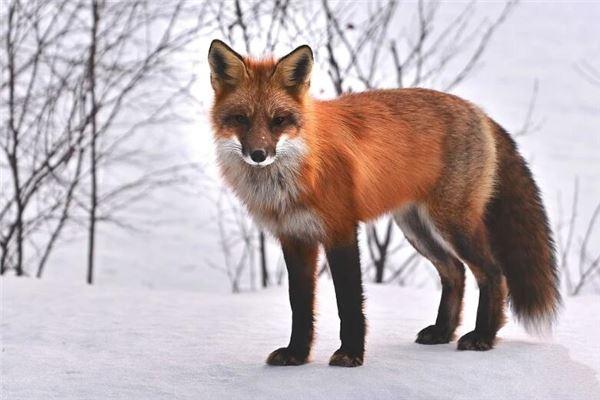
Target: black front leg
{"type": "Point", "coordinates": [301, 260]}
{"type": "Point", "coordinates": [344, 262]}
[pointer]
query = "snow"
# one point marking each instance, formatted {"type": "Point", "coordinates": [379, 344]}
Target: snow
{"type": "Point", "coordinates": [66, 341]}
{"type": "Point", "coordinates": [161, 322]}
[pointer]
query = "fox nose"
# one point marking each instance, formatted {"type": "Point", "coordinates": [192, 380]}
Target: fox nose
{"type": "Point", "coordinates": [258, 155]}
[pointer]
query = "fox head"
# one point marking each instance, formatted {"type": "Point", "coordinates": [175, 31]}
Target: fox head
{"type": "Point", "coordinates": [258, 112]}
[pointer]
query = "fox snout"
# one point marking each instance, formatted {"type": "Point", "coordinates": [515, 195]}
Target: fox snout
{"type": "Point", "coordinates": [258, 150]}
{"type": "Point", "coordinates": [259, 157]}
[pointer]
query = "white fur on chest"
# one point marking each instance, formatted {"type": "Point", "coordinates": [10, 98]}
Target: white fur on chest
{"type": "Point", "coordinates": [274, 188]}
{"type": "Point", "coordinates": [301, 223]}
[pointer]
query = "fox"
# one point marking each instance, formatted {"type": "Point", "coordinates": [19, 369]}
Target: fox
{"type": "Point", "coordinates": [309, 171]}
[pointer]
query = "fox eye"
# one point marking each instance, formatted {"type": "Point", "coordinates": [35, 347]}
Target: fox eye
{"type": "Point", "coordinates": [236, 119]}
{"type": "Point", "coordinates": [278, 121]}
{"type": "Point", "coordinates": [240, 119]}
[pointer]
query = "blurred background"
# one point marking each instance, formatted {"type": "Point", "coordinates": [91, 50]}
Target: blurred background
{"type": "Point", "coordinates": [107, 171]}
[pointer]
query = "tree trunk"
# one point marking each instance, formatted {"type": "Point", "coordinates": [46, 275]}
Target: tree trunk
{"type": "Point", "coordinates": [93, 145]}
{"type": "Point", "coordinates": [263, 260]}
{"type": "Point", "coordinates": [13, 158]}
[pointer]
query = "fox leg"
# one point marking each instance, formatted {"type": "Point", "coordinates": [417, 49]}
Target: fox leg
{"type": "Point", "coordinates": [301, 260]}
{"type": "Point", "coordinates": [475, 250]}
{"type": "Point", "coordinates": [424, 237]}
{"type": "Point", "coordinates": [452, 275]}
{"type": "Point", "coordinates": [344, 262]}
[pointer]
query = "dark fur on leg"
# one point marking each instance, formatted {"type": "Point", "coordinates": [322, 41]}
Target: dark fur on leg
{"type": "Point", "coordinates": [475, 250]}
{"type": "Point", "coordinates": [344, 262]}
{"type": "Point", "coordinates": [452, 275]}
{"type": "Point", "coordinates": [450, 308]}
{"type": "Point", "coordinates": [301, 260]}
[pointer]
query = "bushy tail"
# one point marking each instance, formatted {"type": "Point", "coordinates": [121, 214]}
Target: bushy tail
{"type": "Point", "coordinates": [521, 239]}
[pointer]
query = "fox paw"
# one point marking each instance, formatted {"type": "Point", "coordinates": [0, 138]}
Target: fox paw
{"type": "Point", "coordinates": [475, 341]}
{"type": "Point", "coordinates": [285, 356]}
{"type": "Point", "coordinates": [433, 335]}
{"type": "Point", "coordinates": [342, 358]}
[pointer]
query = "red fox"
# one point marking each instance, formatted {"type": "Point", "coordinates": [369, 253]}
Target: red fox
{"type": "Point", "coordinates": [309, 171]}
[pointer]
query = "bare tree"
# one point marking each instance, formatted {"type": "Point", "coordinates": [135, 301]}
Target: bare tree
{"type": "Point", "coordinates": [35, 148]}
{"type": "Point", "coordinates": [381, 246]}
{"type": "Point", "coordinates": [237, 236]}
{"type": "Point", "coordinates": [84, 78]}
{"type": "Point", "coordinates": [12, 143]}
{"type": "Point", "coordinates": [579, 262]}
{"type": "Point", "coordinates": [580, 266]}
{"type": "Point", "coordinates": [93, 141]}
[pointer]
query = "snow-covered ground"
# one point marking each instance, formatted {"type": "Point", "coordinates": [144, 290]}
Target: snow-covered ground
{"type": "Point", "coordinates": [160, 323]}
{"type": "Point", "coordinates": [64, 341]}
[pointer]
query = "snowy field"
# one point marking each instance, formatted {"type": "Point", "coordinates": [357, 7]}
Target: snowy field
{"type": "Point", "coordinates": [75, 342]}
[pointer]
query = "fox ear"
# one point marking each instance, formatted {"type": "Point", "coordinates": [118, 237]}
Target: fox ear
{"type": "Point", "coordinates": [226, 66]}
{"type": "Point", "coordinates": [294, 69]}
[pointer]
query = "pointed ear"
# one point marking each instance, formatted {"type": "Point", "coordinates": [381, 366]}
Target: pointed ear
{"type": "Point", "coordinates": [226, 66]}
{"type": "Point", "coordinates": [294, 69]}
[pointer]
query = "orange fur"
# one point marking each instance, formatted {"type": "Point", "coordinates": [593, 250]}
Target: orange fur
{"type": "Point", "coordinates": [365, 164]}
{"type": "Point", "coordinates": [368, 153]}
